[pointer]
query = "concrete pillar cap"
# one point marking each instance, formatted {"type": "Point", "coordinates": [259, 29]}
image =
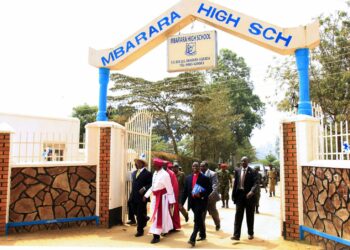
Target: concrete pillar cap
{"type": "Point", "coordinates": [6, 128]}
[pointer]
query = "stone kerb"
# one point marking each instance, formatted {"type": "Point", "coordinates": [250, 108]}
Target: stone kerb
{"type": "Point", "coordinates": [5, 138]}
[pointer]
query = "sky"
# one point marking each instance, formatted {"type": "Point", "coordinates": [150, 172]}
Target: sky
{"type": "Point", "coordinates": [44, 50]}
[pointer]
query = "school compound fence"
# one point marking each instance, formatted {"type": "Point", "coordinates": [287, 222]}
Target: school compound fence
{"type": "Point", "coordinates": [334, 137]}
{"type": "Point", "coordinates": [46, 147]}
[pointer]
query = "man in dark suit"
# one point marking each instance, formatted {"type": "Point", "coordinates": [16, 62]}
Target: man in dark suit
{"type": "Point", "coordinates": [243, 192]}
{"type": "Point", "coordinates": [141, 182]}
{"type": "Point", "coordinates": [198, 202]}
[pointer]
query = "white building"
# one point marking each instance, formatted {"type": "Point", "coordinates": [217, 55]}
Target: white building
{"type": "Point", "coordinates": [38, 138]}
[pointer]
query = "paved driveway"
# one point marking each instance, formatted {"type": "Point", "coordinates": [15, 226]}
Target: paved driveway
{"type": "Point", "coordinates": [267, 234]}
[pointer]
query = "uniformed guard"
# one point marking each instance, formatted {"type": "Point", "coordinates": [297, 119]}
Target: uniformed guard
{"type": "Point", "coordinates": [225, 182]}
{"type": "Point", "coordinates": [272, 175]}
{"type": "Point", "coordinates": [257, 193]}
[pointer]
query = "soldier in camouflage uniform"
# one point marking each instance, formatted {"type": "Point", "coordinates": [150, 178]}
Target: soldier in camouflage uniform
{"type": "Point", "coordinates": [257, 190]}
{"type": "Point", "coordinates": [225, 182]}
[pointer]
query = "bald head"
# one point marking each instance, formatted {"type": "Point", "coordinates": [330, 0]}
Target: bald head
{"type": "Point", "coordinates": [244, 161]}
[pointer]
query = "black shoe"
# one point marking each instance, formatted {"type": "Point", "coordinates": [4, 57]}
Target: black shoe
{"type": "Point", "coordinates": [131, 222]}
{"type": "Point", "coordinates": [155, 240]}
{"type": "Point", "coordinates": [139, 234]}
{"type": "Point", "coordinates": [217, 228]}
{"type": "Point", "coordinates": [192, 243]}
{"type": "Point", "coordinates": [257, 211]}
{"type": "Point", "coordinates": [234, 238]}
{"type": "Point", "coordinates": [186, 218]}
{"type": "Point", "coordinates": [147, 218]}
{"type": "Point", "coordinates": [250, 237]}
{"type": "Point", "coordinates": [201, 238]}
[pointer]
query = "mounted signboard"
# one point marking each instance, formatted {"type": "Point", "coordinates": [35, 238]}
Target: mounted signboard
{"type": "Point", "coordinates": [195, 51]}
{"type": "Point", "coordinates": [284, 41]}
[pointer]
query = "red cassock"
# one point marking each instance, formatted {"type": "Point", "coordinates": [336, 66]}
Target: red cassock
{"type": "Point", "coordinates": [176, 215]}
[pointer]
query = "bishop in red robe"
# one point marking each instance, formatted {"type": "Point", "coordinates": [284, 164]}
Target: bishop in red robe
{"type": "Point", "coordinates": [175, 215]}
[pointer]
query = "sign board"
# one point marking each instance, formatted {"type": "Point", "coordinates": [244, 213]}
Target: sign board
{"type": "Point", "coordinates": [281, 40]}
{"type": "Point", "coordinates": [195, 51]}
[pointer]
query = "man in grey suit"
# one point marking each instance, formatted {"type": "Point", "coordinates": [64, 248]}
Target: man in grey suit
{"type": "Point", "coordinates": [214, 195]}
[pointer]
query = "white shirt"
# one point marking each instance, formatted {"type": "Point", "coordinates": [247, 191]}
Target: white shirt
{"type": "Point", "coordinates": [161, 180]}
{"type": "Point", "coordinates": [243, 172]}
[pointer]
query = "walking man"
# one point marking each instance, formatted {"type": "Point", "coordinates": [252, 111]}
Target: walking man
{"type": "Point", "coordinates": [213, 196]}
{"type": "Point", "coordinates": [181, 182]}
{"type": "Point", "coordinates": [197, 189]}
{"type": "Point", "coordinates": [243, 192]}
{"type": "Point", "coordinates": [225, 182]}
{"type": "Point", "coordinates": [162, 201]}
{"type": "Point", "coordinates": [141, 181]}
{"type": "Point", "coordinates": [175, 216]}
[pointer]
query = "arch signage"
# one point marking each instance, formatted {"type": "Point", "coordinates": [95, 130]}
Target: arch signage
{"type": "Point", "coordinates": [281, 40]}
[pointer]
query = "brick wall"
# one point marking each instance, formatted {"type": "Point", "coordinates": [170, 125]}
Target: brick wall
{"type": "Point", "coordinates": [291, 182]}
{"type": "Point", "coordinates": [104, 162]}
{"type": "Point", "coordinates": [4, 169]}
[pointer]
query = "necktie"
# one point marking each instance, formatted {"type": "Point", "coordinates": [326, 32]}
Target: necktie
{"type": "Point", "coordinates": [243, 178]}
{"type": "Point", "coordinates": [138, 172]}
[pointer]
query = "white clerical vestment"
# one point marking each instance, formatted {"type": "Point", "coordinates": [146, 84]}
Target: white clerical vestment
{"type": "Point", "coordinates": [161, 181]}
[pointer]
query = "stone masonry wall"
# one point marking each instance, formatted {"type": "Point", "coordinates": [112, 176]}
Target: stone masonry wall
{"type": "Point", "coordinates": [326, 203]}
{"type": "Point", "coordinates": [46, 193]}
{"type": "Point", "coordinates": [4, 170]}
{"type": "Point", "coordinates": [291, 182]}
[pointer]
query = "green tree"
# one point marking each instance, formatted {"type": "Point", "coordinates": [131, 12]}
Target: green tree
{"type": "Point", "coordinates": [329, 70]}
{"type": "Point", "coordinates": [170, 101]}
{"type": "Point", "coordinates": [159, 145]}
{"type": "Point", "coordinates": [223, 125]}
{"type": "Point", "coordinates": [233, 73]}
{"type": "Point", "coordinates": [270, 159]}
{"type": "Point", "coordinates": [120, 114]}
{"type": "Point", "coordinates": [86, 114]}
{"type": "Point", "coordinates": [211, 126]}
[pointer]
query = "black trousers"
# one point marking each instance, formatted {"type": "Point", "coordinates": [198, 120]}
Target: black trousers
{"type": "Point", "coordinates": [199, 213]}
{"type": "Point", "coordinates": [140, 209]}
{"type": "Point", "coordinates": [131, 213]}
{"type": "Point", "coordinates": [242, 203]}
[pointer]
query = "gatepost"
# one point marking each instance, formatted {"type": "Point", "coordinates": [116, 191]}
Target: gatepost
{"type": "Point", "coordinates": [299, 146]}
{"type": "Point", "coordinates": [5, 139]}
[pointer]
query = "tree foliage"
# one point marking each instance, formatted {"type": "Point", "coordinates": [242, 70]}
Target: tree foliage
{"type": "Point", "coordinates": [86, 114]}
{"type": "Point", "coordinates": [170, 101]}
{"type": "Point", "coordinates": [222, 126]}
{"type": "Point", "coordinates": [329, 70]}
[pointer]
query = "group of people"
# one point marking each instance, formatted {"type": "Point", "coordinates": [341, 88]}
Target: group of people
{"type": "Point", "coordinates": [202, 189]}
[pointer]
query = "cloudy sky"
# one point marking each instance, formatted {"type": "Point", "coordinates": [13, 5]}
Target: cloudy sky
{"type": "Point", "coordinates": [44, 49]}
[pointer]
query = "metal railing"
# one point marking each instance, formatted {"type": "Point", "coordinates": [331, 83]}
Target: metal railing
{"type": "Point", "coordinates": [46, 147]}
{"type": "Point", "coordinates": [334, 138]}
